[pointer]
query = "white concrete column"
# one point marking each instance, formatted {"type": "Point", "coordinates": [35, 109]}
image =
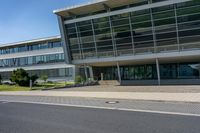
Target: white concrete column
{"type": "Point", "coordinates": [91, 73]}
{"type": "Point", "coordinates": [75, 72]}
{"type": "Point", "coordinates": [102, 77]}
{"type": "Point", "coordinates": [119, 73]}
{"type": "Point", "coordinates": [86, 74]}
{"type": "Point", "coordinates": [158, 70]}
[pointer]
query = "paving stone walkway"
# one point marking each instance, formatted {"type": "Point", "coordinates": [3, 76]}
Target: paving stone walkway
{"type": "Point", "coordinates": [193, 108]}
{"type": "Point", "coordinates": [153, 96]}
{"type": "Point", "coordinates": [163, 89]}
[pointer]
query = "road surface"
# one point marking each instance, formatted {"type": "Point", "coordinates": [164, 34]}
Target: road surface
{"type": "Point", "coordinates": [39, 118]}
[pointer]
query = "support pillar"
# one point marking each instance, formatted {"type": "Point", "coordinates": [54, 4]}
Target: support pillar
{"type": "Point", "coordinates": [158, 70]}
{"type": "Point", "coordinates": [91, 73]}
{"type": "Point", "coordinates": [75, 71]}
{"type": "Point", "coordinates": [119, 74]}
{"type": "Point", "coordinates": [86, 74]}
{"type": "Point", "coordinates": [102, 77]}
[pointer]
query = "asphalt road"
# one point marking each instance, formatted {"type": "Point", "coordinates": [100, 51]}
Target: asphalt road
{"type": "Point", "coordinates": [35, 118]}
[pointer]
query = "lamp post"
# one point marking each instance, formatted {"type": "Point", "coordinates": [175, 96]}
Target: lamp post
{"type": "Point", "coordinates": [30, 83]}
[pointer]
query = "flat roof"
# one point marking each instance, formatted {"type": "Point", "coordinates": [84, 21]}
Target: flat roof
{"type": "Point", "coordinates": [39, 40]}
{"type": "Point", "coordinates": [94, 6]}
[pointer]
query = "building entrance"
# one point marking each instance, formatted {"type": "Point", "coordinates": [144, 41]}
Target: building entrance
{"type": "Point", "coordinates": [105, 73]}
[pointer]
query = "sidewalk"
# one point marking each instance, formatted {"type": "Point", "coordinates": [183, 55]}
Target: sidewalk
{"type": "Point", "coordinates": [154, 88]}
{"type": "Point", "coordinates": [153, 96]}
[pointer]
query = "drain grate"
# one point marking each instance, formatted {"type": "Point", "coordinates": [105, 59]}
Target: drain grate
{"type": "Point", "coordinates": [112, 102]}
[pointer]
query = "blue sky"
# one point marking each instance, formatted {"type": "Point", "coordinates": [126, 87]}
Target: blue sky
{"type": "Point", "coordinates": [30, 19]}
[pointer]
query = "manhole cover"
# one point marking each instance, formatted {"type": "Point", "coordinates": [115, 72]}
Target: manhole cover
{"type": "Point", "coordinates": [112, 102]}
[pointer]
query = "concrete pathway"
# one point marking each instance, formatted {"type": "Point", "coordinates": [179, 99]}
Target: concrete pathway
{"type": "Point", "coordinates": [177, 97]}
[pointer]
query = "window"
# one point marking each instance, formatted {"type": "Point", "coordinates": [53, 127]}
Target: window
{"type": "Point", "coordinates": [168, 71]}
{"type": "Point", "coordinates": [44, 46]}
{"type": "Point", "coordinates": [31, 60]}
{"type": "Point", "coordinates": [189, 71]}
{"type": "Point", "coordinates": [56, 44]}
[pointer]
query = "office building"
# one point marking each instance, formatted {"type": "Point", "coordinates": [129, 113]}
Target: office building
{"type": "Point", "coordinates": [136, 42]}
{"type": "Point", "coordinates": [40, 56]}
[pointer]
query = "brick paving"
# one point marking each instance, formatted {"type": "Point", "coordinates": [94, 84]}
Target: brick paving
{"type": "Point", "coordinates": [193, 108]}
{"type": "Point", "coordinates": [163, 89]}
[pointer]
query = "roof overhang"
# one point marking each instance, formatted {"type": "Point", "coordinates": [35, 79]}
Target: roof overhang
{"type": "Point", "coordinates": [40, 40]}
{"type": "Point", "coordinates": [96, 6]}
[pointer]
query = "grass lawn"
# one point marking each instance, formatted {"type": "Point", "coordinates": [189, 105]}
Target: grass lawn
{"type": "Point", "coordinates": [39, 86]}
{"type": "Point", "coordinates": [13, 88]}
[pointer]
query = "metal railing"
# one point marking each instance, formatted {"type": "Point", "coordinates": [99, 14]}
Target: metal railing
{"type": "Point", "coordinates": [105, 54]}
{"type": "Point", "coordinates": [147, 50]}
{"type": "Point", "coordinates": [125, 52]}
{"type": "Point", "coordinates": [190, 46]}
{"type": "Point", "coordinates": [89, 55]}
{"type": "Point", "coordinates": [167, 48]}
{"type": "Point", "coordinates": [140, 51]}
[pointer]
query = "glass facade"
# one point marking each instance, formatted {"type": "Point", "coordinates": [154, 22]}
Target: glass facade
{"type": "Point", "coordinates": [166, 28]}
{"type": "Point", "coordinates": [149, 72]}
{"type": "Point", "coordinates": [32, 60]}
{"type": "Point", "coordinates": [51, 73]}
{"type": "Point", "coordinates": [29, 47]}
{"type": "Point", "coordinates": [132, 4]}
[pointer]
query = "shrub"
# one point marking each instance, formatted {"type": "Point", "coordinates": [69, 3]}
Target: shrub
{"type": "Point", "coordinates": [21, 77]}
{"type": "Point", "coordinates": [44, 78]}
{"type": "Point", "coordinates": [79, 79]}
{"type": "Point", "coordinates": [50, 82]}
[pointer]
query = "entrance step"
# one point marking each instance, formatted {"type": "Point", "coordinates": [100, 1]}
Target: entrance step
{"type": "Point", "coordinates": [109, 82]}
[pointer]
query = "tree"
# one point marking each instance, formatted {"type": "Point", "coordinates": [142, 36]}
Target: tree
{"type": "Point", "coordinates": [21, 77]}
{"type": "Point", "coordinates": [0, 79]}
{"type": "Point", "coordinates": [34, 78]}
{"type": "Point", "coordinates": [44, 78]}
